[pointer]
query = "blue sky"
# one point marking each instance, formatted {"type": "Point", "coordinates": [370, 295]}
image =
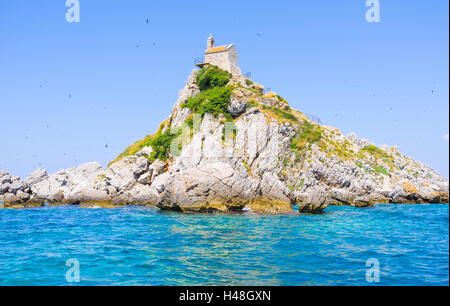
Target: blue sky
{"type": "Point", "coordinates": [77, 92]}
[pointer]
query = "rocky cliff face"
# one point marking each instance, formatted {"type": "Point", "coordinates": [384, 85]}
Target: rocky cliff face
{"type": "Point", "coordinates": [257, 155]}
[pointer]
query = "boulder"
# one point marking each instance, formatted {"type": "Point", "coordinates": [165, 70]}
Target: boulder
{"type": "Point", "coordinates": [363, 201]}
{"type": "Point", "coordinates": [19, 197]}
{"type": "Point", "coordinates": [71, 186]}
{"type": "Point", "coordinates": [137, 195]}
{"type": "Point", "coordinates": [237, 107]}
{"type": "Point", "coordinates": [158, 167]}
{"type": "Point", "coordinates": [273, 196]}
{"type": "Point", "coordinates": [207, 188]}
{"type": "Point", "coordinates": [125, 173]}
{"type": "Point", "coordinates": [217, 187]}
{"type": "Point", "coordinates": [9, 183]}
{"type": "Point", "coordinates": [35, 177]}
{"type": "Point", "coordinates": [314, 199]}
{"type": "Point", "coordinates": [15, 186]}
{"type": "Point", "coordinates": [341, 196]}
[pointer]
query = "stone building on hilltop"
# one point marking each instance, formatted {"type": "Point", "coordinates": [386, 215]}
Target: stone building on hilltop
{"type": "Point", "coordinates": [225, 57]}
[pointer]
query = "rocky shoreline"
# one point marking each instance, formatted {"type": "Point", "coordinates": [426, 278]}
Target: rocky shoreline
{"type": "Point", "coordinates": [274, 158]}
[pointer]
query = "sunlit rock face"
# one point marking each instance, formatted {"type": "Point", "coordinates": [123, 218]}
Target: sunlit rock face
{"type": "Point", "coordinates": [265, 157]}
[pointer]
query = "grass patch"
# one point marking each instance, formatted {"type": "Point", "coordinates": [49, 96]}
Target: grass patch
{"type": "Point", "coordinates": [307, 134]}
{"type": "Point", "coordinates": [381, 170]}
{"type": "Point", "coordinates": [281, 99]}
{"type": "Point", "coordinates": [375, 151]}
{"type": "Point", "coordinates": [380, 154]}
{"type": "Point", "coordinates": [252, 103]}
{"type": "Point", "coordinates": [281, 114]}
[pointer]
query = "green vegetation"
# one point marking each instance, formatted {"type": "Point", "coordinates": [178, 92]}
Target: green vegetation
{"type": "Point", "coordinates": [211, 76]}
{"type": "Point", "coordinates": [248, 82]}
{"type": "Point", "coordinates": [359, 164]}
{"type": "Point", "coordinates": [229, 127]}
{"type": "Point", "coordinates": [214, 101]}
{"type": "Point", "coordinates": [375, 151]}
{"type": "Point", "coordinates": [190, 122]}
{"type": "Point", "coordinates": [381, 170]}
{"type": "Point", "coordinates": [302, 183]}
{"type": "Point", "coordinates": [281, 99]}
{"type": "Point", "coordinates": [281, 114]}
{"type": "Point", "coordinates": [246, 166]}
{"type": "Point", "coordinates": [307, 134]}
{"type": "Point", "coordinates": [137, 146]}
{"type": "Point", "coordinates": [252, 103]}
{"type": "Point", "coordinates": [380, 155]}
{"type": "Point", "coordinates": [159, 142]}
{"type": "Point", "coordinates": [298, 186]}
{"type": "Point", "coordinates": [341, 149]}
{"type": "Point", "coordinates": [161, 146]}
{"type": "Point", "coordinates": [214, 96]}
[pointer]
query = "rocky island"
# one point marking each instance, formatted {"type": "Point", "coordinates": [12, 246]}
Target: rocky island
{"type": "Point", "coordinates": [230, 146]}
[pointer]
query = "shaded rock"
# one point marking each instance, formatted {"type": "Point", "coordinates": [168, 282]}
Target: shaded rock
{"type": "Point", "coordinates": [208, 188]}
{"type": "Point", "coordinates": [237, 107]}
{"type": "Point", "coordinates": [9, 183]}
{"type": "Point", "coordinates": [137, 195]}
{"type": "Point", "coordinates": [158, 167]}
{"type": "Point", "coordinates": [363, 201]}
{"type": "Point", "coordinates": [273, 196]}
{"type": "Point", "coordinates": [146, 178]}
{"type": "Point", "coordinates": [314, 200]}
{"type": "Point", "coordinates": [15, 186]}
{"type": "Point", "coordinates": [217, 187]}
{"type": "Point", "coordinates": [340, 196]}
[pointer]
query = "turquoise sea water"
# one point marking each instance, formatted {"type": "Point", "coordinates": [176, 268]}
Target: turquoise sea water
{"type": "Point", "coordinates": [143, 246]}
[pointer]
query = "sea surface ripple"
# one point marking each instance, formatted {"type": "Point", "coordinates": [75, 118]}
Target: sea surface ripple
{"type": "Point", "coordinates": [145, 246]}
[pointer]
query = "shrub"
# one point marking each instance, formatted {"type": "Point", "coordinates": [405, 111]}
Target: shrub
{"type": "Point", "coordinates": [161, 146]}
{"type": "Point", "coordinates": [211, 76]}
{"type": "Point", "coordinates": [138, 145]}
{"type": "Point", "coordinates": [159, 142]}
{"type": "Point", "coordinates": [248, 82]}
{"type": "Point", "coordinates": [213, 101]}
{"type": "Point", "coordinates": [190, 122]}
